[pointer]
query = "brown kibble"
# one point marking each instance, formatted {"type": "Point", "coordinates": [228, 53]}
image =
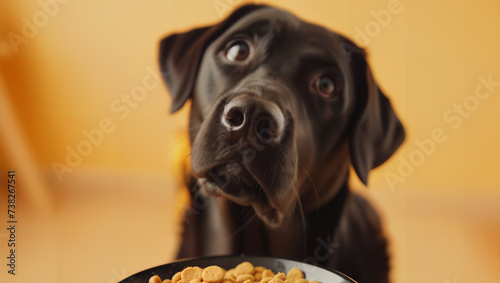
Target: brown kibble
{"type": "Point", "coordinates": [244, 277]}
{"type": "Point", "coordinates": [257, 276]}
{"type": "Point", "coordinates": [266, 280]}
{"type": "Point", "coordinates": [166, 281]}
{"type": "Point", "coordinates": [190, 273]}
{"type": "Point", "coordinates": [213, 274]}
{"type": "Point", "coordinates": [177, 277]}
{"type": "Point", "coordinates": [260, 269]}
{"type": "Point", "coordinates": [295, 273]}
{"type": "Point", "coordinates": [155, 279]}
{"type": "Point", "coordinates": [267, 273]}
{"type": "Point", "coordinates": [281, 276]}
{"type": "Point", "coordinates": [229, 280]}
{"type": "Point", "coordinates": [231, 273]}
{"type": "Point", "coordinates": [245, 268]}
{"type": "Point", "coordinates": [195, 281]}
{"type": "Point", "coordinates": [276, 280]}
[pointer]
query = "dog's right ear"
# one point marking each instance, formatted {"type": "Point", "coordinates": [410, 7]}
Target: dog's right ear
{"type": "Point", "coordinates": [181, 54]}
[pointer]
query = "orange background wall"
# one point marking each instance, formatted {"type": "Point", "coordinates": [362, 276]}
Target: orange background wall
{"type": "Point", "coordinates": [67, 67]}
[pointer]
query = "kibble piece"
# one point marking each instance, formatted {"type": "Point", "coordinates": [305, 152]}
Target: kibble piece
{"type": "Point", "coordinates": [276, 280]}
{"type": "Point", "coordinates": [260, 269]}
{"type": "Point", "coordinates": [314, 282]}
{"type": "Point", "coordinates": [231, 273]}
{"type": "Point", "coordinates": [213, 274]}
{"type": "Point", "coordinates": [166, 281]}
{"type": "Point", "coordinates": [245, 268]}
{"type": "Point", "coordinates": [243, 277]}
{"type": "Point", "coordinates": [190, 273]}
{"type": "Point", "coordinates": [177, 277]}
{"type": "Point", "coordinates": [155, 279]}
{"type": "Point", "coordinates": [229, 280]}
{"type": "Point", "coordinates": [294, 273]}
{"type": "Point", "coordinates": [267, 273]}
{"type": "Point", "coordinates": [257, 276]}
{"type": "Point", "coordinates": [281, 276]}
{"type": "Point", "coordinates": [266, 280]}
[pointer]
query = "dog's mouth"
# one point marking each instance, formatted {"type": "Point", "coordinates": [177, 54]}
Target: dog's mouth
{"type": "Point", "coordinates": [236, 183]}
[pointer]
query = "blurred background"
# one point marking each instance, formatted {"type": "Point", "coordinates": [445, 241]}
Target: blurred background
{"type": "Point", "coordinates": [85, 125]}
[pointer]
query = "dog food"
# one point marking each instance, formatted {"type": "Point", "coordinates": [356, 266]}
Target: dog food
{"type": "Point", "coordinates": [244, 272]}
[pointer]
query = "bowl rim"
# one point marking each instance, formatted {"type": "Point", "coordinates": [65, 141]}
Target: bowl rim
{"type": "Point", "coordinates": [241, 256]}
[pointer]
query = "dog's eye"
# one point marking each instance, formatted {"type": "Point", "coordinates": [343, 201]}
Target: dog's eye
{"type": "Point", "coordinates": [325, 85]}
{"type": "Point", "coordinates": [238, 51]}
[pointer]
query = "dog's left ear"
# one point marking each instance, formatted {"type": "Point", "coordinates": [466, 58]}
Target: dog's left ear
{"type": "Point", "coordinates": [376, 131]}
{"type": "Point", "coordinates": [181, 54]}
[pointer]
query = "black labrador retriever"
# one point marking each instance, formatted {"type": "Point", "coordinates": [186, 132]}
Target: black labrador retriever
{"type": "Point", "coordinates": [280, 110]}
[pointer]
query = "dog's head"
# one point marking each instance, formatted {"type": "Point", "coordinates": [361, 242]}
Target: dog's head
{"type": "Point", "coordinates": [280, 108]}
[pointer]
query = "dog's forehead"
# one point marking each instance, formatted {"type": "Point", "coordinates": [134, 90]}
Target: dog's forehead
{"type": "Point", "coordinates": [270, 15]}
{"type": "Point", "coordinates": [277, 21]}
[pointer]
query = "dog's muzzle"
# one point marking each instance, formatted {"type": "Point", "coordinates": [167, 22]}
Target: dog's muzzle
{"type": "Point", "coordinates": [248, 117]}
{"type": "Point", "coordinates": [245, 151]}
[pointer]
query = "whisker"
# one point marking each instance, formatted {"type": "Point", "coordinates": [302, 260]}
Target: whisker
{"type": "Point", "coordinates": [194, 127]}
{"type": "Point", "coordinates": [312, 183]}
{"type": "Point", "coordinates": [301, 210]}
{"type": "Point", "coordinates": [302, 219]}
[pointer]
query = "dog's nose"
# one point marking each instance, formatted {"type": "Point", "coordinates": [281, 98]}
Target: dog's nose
{"type": "Point", "coordinates": [247, 116]}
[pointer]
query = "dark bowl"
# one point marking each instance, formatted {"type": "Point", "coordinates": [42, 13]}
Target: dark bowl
{"type": "Point", "coordinates": [311, 272]}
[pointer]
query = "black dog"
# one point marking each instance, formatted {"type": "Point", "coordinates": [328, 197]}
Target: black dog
{"type": "Point", "coordinates": [280, 109]}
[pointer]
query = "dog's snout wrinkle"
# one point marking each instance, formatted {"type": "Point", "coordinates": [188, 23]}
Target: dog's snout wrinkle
{"type": "Point", "coordinates": [247, 117]}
